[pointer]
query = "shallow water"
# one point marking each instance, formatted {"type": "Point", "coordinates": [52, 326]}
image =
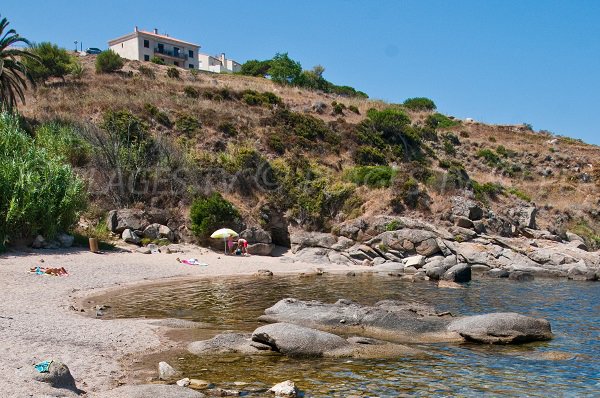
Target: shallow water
{"type": "Point", "coordinates": [573, 309]}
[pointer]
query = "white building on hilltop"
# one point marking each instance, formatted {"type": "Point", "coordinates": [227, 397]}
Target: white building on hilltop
{"type": "Point", "coordinates": [143, 46]}
{"type": "Point", "coordinates": [218, 64]}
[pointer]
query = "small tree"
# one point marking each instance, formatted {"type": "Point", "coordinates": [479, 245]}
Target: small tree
{"type": "Point", "coordinates": [156, 60]}
{"type": "Point", "coordinates": [52, 61]}
{"type": "Point", "coordinates": [211, 213]}
{"type": "Point", "coordinates": [284, 70]}
{"type": "Point", "coordinates": [420, 104]}
{"type": "Point", "coordinates": [255, 67]}
{"type": "Point", "coordinates": [108, 62]}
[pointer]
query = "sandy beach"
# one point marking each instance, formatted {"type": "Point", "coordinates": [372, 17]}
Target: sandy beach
{"type": "Point", "coordinates": [39, 319]}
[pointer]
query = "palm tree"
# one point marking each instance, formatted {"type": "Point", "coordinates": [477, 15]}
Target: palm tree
{"type": "Point", "coordinates": [13, 73]}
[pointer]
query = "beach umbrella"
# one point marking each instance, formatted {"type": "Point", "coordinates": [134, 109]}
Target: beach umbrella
{"type": "Point", "coordinates": [224, 233]}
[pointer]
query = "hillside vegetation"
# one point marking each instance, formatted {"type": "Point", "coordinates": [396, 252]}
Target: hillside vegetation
{"type": "Point", "coordinates": [149, 137]}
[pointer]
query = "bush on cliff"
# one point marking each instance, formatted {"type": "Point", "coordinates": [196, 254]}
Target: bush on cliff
{"type": "Point", "coordinates": [211, 213]}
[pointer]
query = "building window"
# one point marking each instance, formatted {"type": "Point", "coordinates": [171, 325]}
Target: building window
{"type": "Point", "coordinates": [191, 66]}
{"type": "Point", "coordinates": [190, 54]}
{"type": "Point", "coordinates": [146, 43]}
{"type": "Point", "coordinates": [146, 57]}
{"type": "Point", "coordinates": [176, 63]}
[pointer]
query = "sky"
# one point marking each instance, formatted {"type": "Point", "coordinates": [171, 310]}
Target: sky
{"type": "Point", "coordinates": [496, 61]}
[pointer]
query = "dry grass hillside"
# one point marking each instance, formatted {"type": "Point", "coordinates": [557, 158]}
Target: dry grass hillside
{"type": "Point", "coordinates": [212, 121]}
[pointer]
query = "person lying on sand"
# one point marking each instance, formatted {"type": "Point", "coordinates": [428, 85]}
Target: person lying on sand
{"type": "Point", "coordinates": [49, 271]}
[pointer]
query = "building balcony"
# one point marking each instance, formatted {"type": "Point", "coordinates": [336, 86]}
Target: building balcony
{"type": "Point", "coordinates": [166, 53]}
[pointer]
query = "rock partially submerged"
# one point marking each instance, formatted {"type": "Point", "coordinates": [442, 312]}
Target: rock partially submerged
{"type": "Point", "coordinates": [390, 321]}
{"type": "Point", "coordinates": [298, 341]}
{"type": "Point", "coordinates": [229, 343]}
{"type": "Point", "coordinates": [502, 328]}
{"type": "Point", "coordinates": [401, 322]}
{"type": "Point", "coordinates": [284, 389]}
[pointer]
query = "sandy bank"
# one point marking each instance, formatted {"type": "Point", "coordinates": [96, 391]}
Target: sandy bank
{"type": "Point", "coordinates": [38, 322]}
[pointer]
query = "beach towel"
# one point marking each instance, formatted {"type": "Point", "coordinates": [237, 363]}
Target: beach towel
{"type": "Point", "coordinates": [192, 261]}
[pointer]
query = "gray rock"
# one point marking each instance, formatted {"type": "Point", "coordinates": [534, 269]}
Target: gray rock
{"type": "Point", "coordinates": [435, 273]}
{"type": "Point", "coordinates": [379, 261]}
{"type": "Point", "coordinates": [524, 217]}
{"type": "Point", "coordinates": [459, 273]}
{"type": "Point", "coordinates": [166, 371]}
{"type": "Point", "coordinates": [396, 322]}
{"type": "Point", "coordinates": [65, 240]}
{"type": "Point", "coordinates": [158, 231]}
{"type": "Point", "coordinates": [256, 235]}
{"type": "Point", "coordinates": [342, 243]}
{"type": "Point", "coordinates": [502, 328]}
{"type": "Point", "coordinates": [263, 273]}
{"type": "Point", "coordinates": [284, 389]}
{"type": "Point", "coordinates": [38, 242]}
{"type": "Point", "coordinates": [297, 341]}
{"type": "Point", "coordinates": [58, 376]}
{"type": "Point", "coordinates": [415, 261]}
{"type": "Point", "coordinates": [521, 276]}
{"type": "Point", "coordinates": [303, 239]}
{"type": "Point", "coordinates": [571, 237]}
{"type": "Point", "coordinates": [391, 266]}
{"type": "Point", "coordinates": [261, 249]}
{"type": "Point", "coordinates": [479, 268]}
{"type": "Point", "coordinates": [130, 237]}
{"type": "Point", "coordinates": [150, 390]}
{"type": "Point", "coordinates": [497, 273]}
{"type": "Point", "coordinates": [228, 343]}
{"type": "Point", "coordinates": [408, 240]}
{"type": "Point", "coordinates": [143, 250]}
{"type": "Point", "coordinates": [463, 222]}
{"type": "Point", "coordinates": [466, 208]}
{"type": "Point", "coordinates": [119, 220]}
{"type": "Point", "coordinates": [580, 272]}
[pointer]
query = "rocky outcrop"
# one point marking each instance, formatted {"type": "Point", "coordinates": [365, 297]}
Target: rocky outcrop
{"type": "Point", "coordinates": [502, 328]}
{"type": "Point", "coordinates": [229, 343]}
{"type": "Point", "coordinates": [118, 221]}
{"type": "Point", "coordinates": [466, 208]}
{"type": "Point", "coordinates": [389, 321]}
{"type": "Point", "coordinates": [157, 231]}
{"type": "Point", "coordinates": [298, 341]}
{"type": "Point", "coordinates": [459, 273]}
{"type": "Point", "coordinates": [407, 322]}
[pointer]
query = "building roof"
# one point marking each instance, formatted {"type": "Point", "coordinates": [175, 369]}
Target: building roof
{"type": "Point", "coordinates": [137, 33]}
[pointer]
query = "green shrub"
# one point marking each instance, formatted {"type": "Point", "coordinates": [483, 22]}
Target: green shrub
{"type": "Point", "coordinates": [507, 153]}
{"type": "Point", "coordinates": [158, 115]}
{"type": "Point", "coordinates": [76, 69]}
{"type": "Point", "coordinates": [194, 74]}
{"type": "Point", "coordinates": [108, 61]}
{"type": "Point", "coordinates": [228, 129]}
{"type": "Point", "coordinates": [420, 104]}
{"type": "Point", "coordinates": [486, 191]}
{"type": "Point", "coordinates": [353, 108]}
{"type": "Point", "coordinates": [266, 98]}
{"type": "Point", "coordinates": [372, 176]}
{"type": "Point", "coordinates": [173, 72]}
{"type": "Point", "coordinates": [519, 194]}
{"type": "Point", "coordinates": [53, 61]}
{"type": "Point", "coordinates": [39, 193]}
{"type": "Point", "coordinates": [63, 141]}
{"type": "Point", "coordinates": [368, 155]}
{"type": "Point", "coordinates": [276, 142]}
{"type": "Point", "coordinates": [492, 139]}
{"type": "Point", "coordinates": [191, 92]}
{"type": "Point", "coordinates": [394, 225]}
{"type": "Point", "coordinates": [490, 157]}
{"type": "Point", "coordinates": [303, 130]}
{"type": "Point", "coordinates": [408, 193]}
{"type": "Point", "coordinates": [147, 72]}
{"type": "Point", "coordinates": [464, 134]}
{"type": "Point", "coordinates": [590, 235]}
{"type": "Point", "coordinates": [390, 128]}
{"type": "Point", "coordinates": [213, 212]}
{"type": "Point", "coordinates": [187, 124]}
{"type": "Point", "coordinates": [157, 60]}
{"type": "Point", "coordinates": [449, 148]}
{"type": "Point", "coordinates": [437, 120]}
{"type": "Point", "coordinates": [338, 109]}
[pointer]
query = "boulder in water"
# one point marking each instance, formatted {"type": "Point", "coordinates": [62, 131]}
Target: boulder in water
{"type": "Point", "coordinates": [502, 328]}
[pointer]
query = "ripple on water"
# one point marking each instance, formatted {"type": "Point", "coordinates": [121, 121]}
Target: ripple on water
{"type": "Point", "coordinates": [564, 366]}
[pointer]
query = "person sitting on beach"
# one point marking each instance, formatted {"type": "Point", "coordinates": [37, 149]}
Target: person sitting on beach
{"type": "Point", "coordinates": [243, 246]}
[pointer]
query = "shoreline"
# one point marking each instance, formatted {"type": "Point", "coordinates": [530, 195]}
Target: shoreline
{"type": "Point", "coordinates": [40, 318]}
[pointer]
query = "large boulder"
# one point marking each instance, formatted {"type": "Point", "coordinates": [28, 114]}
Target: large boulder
{"type": "Point", "coordinates": [502, 328]}
{"type": "Point", "coordinates": [119, 220]}
{"type": "Point", "coordinates": [57, 376]}
{"type": "Point", "coordinates": [390, 321]}
{"type": "Point", "coordinates": [459, 273]}
{"type": "Point", "coordinates": [229, 343]}
{"type": "Point", "coordinates": [256, 235]}
{"type": "Point", "coordinates": [524, 217]}
{"type": "Point", "coordinates": [302, 239]}
{"type": "Point", "coordinates": [65, 240]}
{"type": "Point", "coordinates": [150, 390]}
{"type": "Point", "coordinates": [467, 208]}
{"type": "Point", "coordinates": [417, 241]}
{"type": "Point", "coordinates": [261, 249]}
{"type": "Point", "coordinates": [297, 341]}
{"type": "Point", "coordinates": [158, 231]}
{"type": "Point", "coordinates": [130, 237]}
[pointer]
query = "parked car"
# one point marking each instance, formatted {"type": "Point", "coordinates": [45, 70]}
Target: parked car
{"type": "Point", "coordinates": [93, 50]}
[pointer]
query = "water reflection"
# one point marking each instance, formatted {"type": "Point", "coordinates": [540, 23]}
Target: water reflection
{"type": "Point", "coordinates": [465, 370]}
